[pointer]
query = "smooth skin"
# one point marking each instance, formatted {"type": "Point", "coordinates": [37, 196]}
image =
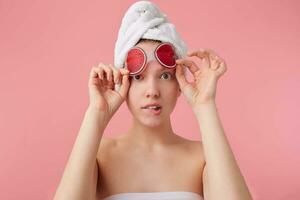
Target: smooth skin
{"type": "Point", "coordinates": [222, 178]}
{"type": "Point", "coordinates": [150, 157]}
{"type": "Point", "coordinates": [80, 176]}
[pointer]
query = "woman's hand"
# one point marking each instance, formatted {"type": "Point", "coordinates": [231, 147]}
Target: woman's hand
{"type": "Point", "coordinates": [102, 92]}
{"type": "Point", "coordinates": [203, 89]}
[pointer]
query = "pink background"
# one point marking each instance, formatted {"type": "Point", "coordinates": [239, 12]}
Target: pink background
{"type": "Point", "coordinates": [48, 47]}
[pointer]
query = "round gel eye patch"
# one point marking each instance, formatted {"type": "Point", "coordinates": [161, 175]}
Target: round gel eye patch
{"type": "Point", "coordinates": [136, 58]}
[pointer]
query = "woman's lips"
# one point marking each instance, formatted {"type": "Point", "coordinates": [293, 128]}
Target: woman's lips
{"type": "Point", "coordinates": [153, 111]}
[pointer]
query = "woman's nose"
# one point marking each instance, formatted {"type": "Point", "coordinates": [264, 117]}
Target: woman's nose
{"type": "Point", "coordinates": [152, 89]}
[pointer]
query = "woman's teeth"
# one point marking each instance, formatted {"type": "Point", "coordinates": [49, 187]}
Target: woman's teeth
{"type": "Point", "coordinates": [153, 107]}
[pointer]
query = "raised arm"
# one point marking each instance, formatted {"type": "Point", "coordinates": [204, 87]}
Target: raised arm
{"type": "Point", "coordinates": [222, 178]}
{"type": "Point", "coordinates": [79, 180]}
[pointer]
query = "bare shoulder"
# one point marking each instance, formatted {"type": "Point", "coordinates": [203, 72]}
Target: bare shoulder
{"type": "Point", "coordinates": [197, 146]}
{"type": "Point", "coordinates": [194, 149]}
{"type": "Point", "coordinates": [106, 141]}
{"type": "Point", "coordinates": [193, 145]}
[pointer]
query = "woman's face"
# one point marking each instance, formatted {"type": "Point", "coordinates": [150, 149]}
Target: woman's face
{"type": "Point", "coordinates": [156, 84]}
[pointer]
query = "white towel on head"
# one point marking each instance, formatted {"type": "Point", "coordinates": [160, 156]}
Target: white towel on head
{"type": "Point", "coordinates": [144, 20]}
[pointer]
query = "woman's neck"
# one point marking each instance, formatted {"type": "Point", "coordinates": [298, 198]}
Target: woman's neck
{"type": "Point", "coordinates": [151, 137]}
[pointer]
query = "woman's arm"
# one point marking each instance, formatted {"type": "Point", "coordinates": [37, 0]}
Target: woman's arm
{"type": "Point", "coordinates": [222, 178]}
{"type": "Point", "coordinates": [80, 176]}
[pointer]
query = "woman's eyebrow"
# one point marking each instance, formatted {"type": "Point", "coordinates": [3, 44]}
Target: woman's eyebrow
{"type": "Point", "coordinates": [161, 70]}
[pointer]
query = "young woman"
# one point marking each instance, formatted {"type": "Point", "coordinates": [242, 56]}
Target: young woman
{"type": "Point", "coordinates": [149, 160]}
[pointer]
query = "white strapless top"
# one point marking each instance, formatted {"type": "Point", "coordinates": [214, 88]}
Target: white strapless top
{"type": "Point", "coordinates": [176, 195]}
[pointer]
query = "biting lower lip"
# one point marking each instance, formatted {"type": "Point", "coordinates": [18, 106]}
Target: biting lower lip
{"type": "Point", "coordinates": [153, 111]}
{"type": "Point", "coordinates": [158, 108]}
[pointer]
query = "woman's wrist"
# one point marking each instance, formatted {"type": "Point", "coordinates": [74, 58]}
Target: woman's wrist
{"type": "Point", "coordinates": [203, 106]}
{"type": "Point", "coordinates": [103, 116]}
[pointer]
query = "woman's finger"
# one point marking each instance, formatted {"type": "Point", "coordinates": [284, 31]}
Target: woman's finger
{"type": "Point", "coordinates": [94, 76]}
{"type": "Point", "coordinates": [125, 85]}
{"type": "Point", "coordinates": [222, 68]}
{"type": "Point", "coordinates": [108, 72]}
{"type": "Point", "coordinates": [124, 71]}
{"type": "Point", "coordinates": [184, 85]}
{"type": "Point", "coordinates": [192, 66]}
{"type": "Point", "coordinates": [116, 74]}
{"type": "Point", "coordinates": [179, 73]}
{"type": "Point", "coordinates": [93, 72]}
{"type": "Point", "coordinates": [214, 63]}
{"type": "Point", "coordinates": [101, 71]}
{"type": "Point", "coordinates": [199, 53]}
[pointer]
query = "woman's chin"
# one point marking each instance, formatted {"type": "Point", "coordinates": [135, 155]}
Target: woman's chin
{"type": "Point", "coordinates": [151, 122]}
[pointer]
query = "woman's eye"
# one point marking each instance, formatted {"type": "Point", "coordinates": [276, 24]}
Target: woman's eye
{"type": "Point", "coordinates": [136, 77]}
{"type": "Point", "coordinates": [166, 75]}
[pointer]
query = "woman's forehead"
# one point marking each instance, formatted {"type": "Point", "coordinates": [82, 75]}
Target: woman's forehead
{"type": "Point", "coordinates": [147, 44]}
{"type": "Point", "coordinates": [155, 66]}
